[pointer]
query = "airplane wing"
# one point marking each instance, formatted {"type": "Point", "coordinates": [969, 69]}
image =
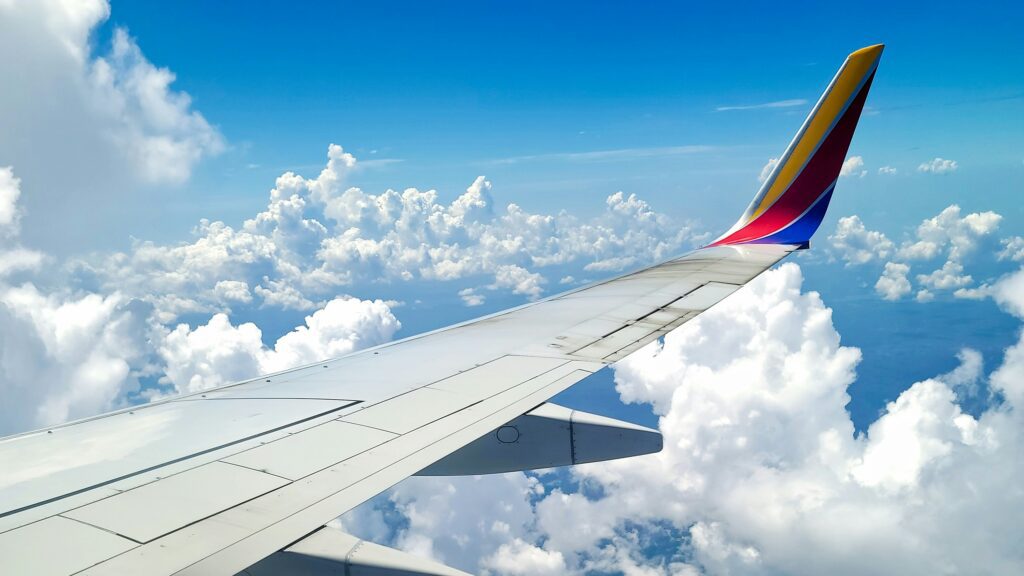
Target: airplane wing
{"type": "Point", "coordinates": [243, 478]}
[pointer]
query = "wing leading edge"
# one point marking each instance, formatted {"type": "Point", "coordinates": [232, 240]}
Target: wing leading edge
{"type": "Point", "coordinates": [214, 482]}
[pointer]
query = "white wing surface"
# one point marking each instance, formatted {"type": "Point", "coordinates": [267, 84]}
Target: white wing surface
{"type": "Point", "coordinates": [215, 482]}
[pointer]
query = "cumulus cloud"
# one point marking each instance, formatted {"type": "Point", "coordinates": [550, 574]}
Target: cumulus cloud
{"type": "Point", "coordinates": [853, 167]}
{"type": "Point", "coordinates": [219, 353]}
{"type": "Point", "coordinates": [66, 356]}
{"type": "Point", "coordinates": [13, 257]}
{"type": "Point", "coordinates": [949, 277]}
{"type": "Point", "coordinates": [104, 100]}
{"type": "Point", "coordinates": [887, 170]}
{"type": "Point", "coordinates": [470, 297]}
{"type": "Point", "coordinates": [317, 235]}
{"type": "Point", "coordinates": [893, 284]}
{"type": "Point", "coordinates": [855, 244]}
{"type": "Point", "coordinates": [938, 166]}
{"type": "Point", "coordinates": [1013, 249]}
{"type": "Point", "coordinates": [152, 125]}
{"type": "Point", "coordinates": [762, 471]}
{"type": "Point", "coordinates": [951, 234]}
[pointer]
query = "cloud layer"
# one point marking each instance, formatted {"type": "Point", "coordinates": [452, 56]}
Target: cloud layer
{"type": "Point", "coordinates": [762, 472]}
{"type": "Point", "coordinates": [317, 236]}
{"type": "Point", "coordinates": [950, 238]}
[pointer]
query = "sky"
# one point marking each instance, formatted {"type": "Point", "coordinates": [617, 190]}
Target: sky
{"type": "Point", "coordinates": [194, 193]}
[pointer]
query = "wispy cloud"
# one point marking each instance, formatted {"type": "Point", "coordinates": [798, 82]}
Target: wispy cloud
{"type": "Point", "coordinates": [777, 104]}
{"type": "Point", "coordinates": [603, 155]}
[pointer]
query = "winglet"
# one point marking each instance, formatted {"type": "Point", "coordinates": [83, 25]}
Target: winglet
{"type": "Point", "coordinates": [791, 203]}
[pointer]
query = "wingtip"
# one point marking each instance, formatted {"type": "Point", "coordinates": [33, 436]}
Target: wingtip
{"type": "Point", "coordinates": [872, 51]}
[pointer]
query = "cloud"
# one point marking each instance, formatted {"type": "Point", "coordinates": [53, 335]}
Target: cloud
{"type": "Point", "coordinates": [950, 233]}
{"type": "Point", "coordinates": [949, 277]}
{"type": "Point", "coordinates": [608, 155]}
{"type": "Point", "coordinates": [13, 257]}
{"type": "Point", "coordinates": [10, 213]}
{"type": "Point", "coordinates": [887, 170]}
{"type": "Point", "coordinates": [766, 170]}
{"type": "Point", "coordinates": [152, 125]}
{"type": "Point", "coordinates": [1013, 249]}
{"type": "Point", "coordinates": [948, 229]}
{"type": "Point", "coordinates": [938, 166]}
{"type": "Point", "coordinates": [519, 558]}
{"type": "Point", "coordinates": [66, 356]}
{"type": "Point", "coordinates": [856, 244]}
{"type": "Point", "coordinates": [853, 167]}
{"type": "Point", "coordinates": [470, 297]}
{"type": "Point", "coordinates": [893, 284]}
{"type": "Point", "coordinates": [792, 103]}
{"type": "Point", "coordinates": [118, 111]}
{"type": "Point", "coordinates": [219, 353]}
{"type": "Point", "coordinates": [317, 235]}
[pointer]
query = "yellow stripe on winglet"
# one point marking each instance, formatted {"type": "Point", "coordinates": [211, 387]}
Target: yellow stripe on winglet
{"type": "Point", "coordinates": [857, 65]}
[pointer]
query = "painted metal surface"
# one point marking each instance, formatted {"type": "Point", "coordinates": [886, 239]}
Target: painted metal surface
{"type": "Point", "coordinates": [150, 511]}
{"type": "Point", "coordinates": [57, 546]}
{"type": "Point", "coordinates": [121, 449]}
{"type": "Point", "coordinates": [308, 451]}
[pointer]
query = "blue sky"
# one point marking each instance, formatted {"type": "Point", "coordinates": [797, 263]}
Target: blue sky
{"type": "Point", "coordinates": [448, 89]}
{"type": "Point", "coordinates": [142, 239]}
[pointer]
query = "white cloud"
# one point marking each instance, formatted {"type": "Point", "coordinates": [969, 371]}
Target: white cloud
{"type": "Point", "coordinates": [519, 558]}
{"type": "Point", "coordinates": [116, 110]}
{"type": "Point", "coordinates": [949, 277]}
{"type": "Point", "coordinates": [893, 284]}
{"type": "Point", "coordinates": [948, 229]}
{"type": "Point", "coordinates": [470, 297]}
{"type": "Point", "coordinates": [152, 125]}
{"type": "Point", "coordinates": [766, 170]}
{"type": "Point", "coordinates": [792, 103]}
{"type": "Point", "coordinates": [949, 233]}
{"type": "Point", "coordinates": [1013, 249]}
{"type": "Point", "coordinates": [233, 291]}
{"type": "Point", "coordinates": [13, 257]}
{"type": "Point", "coordinates": [887, 170]}
{"type": "Point", "coordinates": [519, 280]}
{"type": "Point", "coordinates": [218, 352]}
{"type": "Point", "coordinates": [938, 166]}
{"type": "Point", "coordinates": [10, 190]}
{"type": "Point", "coordinates": [856, 244]}
{"type": "Point", "coordinates": [853, 167]}
{"type": "Point", "coordinates": [1009, 293]}
{"type": "Point", "coordinates": [66, 356]}
{"type": "Point", "coordinates": [316, 236]}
